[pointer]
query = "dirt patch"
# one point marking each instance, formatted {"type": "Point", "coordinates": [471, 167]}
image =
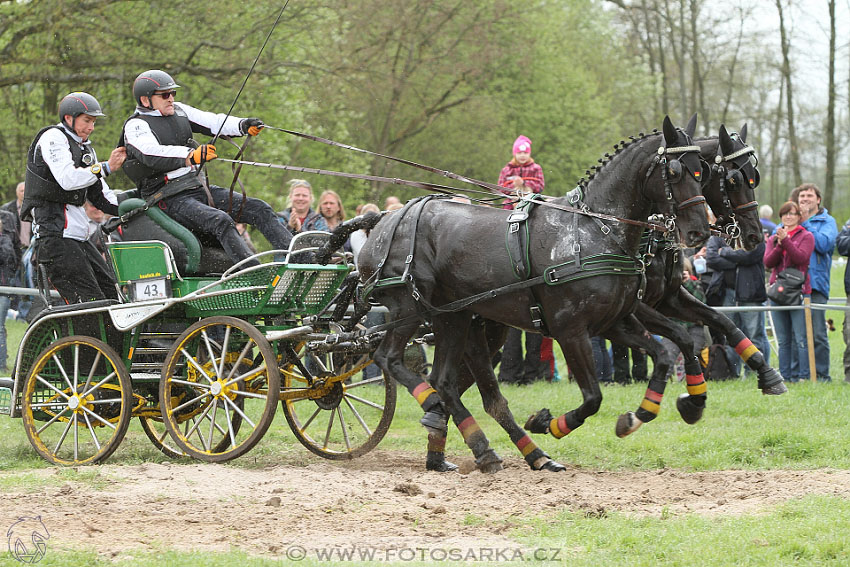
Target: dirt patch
{"type": "Point", "coordinates": [383, 499]}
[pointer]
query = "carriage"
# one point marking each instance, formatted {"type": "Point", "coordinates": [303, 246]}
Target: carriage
{"type": "Point", "coordinates": [201, 360]}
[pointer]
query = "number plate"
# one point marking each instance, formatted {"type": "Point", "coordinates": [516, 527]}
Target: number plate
{"type": "Point", "coordinates": [151, 289]}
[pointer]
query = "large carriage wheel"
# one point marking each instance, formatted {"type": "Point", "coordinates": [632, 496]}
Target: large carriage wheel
{"type": "Point", "coordinates": [77, 401]}
{"type": "Point", "coordinates": [340, 415]}
{"type": "Point", "coordinates": [214, 390]}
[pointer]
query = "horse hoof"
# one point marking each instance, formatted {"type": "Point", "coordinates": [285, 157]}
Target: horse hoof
{"type": "Point", "coordinates": [627, 424]}
{"type": "Point", "coordinates": [441, 466]}
{"type": "Point", "coordinates": [552, 466]}
{"type": "Point", "coordinates": [489, 462]}
{"type": "Point", "coordinates": [539, 422]}
{"type": "Point", "coordinates": [689, 409]}
{"type": "Point", "coordinates": [436, 420]}
{"type": "Point", "coordinates": [771, 383]}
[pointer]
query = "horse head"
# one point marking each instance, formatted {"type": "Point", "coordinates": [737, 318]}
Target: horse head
{"type": "Point", "coordinates": [731, 190]}
{"type": "Point", "coordinates": [678, 189]}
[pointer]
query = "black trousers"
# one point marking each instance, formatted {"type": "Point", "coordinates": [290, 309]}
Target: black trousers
{"type": "Point", "coordinates": [191, 209]}
{"type": "Point", "coordinates": [76, 269]}
{"type": "Point", "coordinates": [516, 369]}
{"type": "Point", "coordinates": [621, 364]}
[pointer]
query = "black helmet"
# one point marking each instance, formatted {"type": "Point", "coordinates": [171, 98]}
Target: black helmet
{"type": "Point", "coordinates": [75, 104]}
{"type": "Point", "coordinates": [151, 81]}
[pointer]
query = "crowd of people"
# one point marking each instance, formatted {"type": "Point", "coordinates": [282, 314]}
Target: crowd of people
{"type": "Point", "coordinates": [54, 221]}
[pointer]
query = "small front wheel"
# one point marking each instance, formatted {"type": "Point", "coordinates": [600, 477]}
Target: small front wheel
{"type": "Point", "coordinates": [77, 401]}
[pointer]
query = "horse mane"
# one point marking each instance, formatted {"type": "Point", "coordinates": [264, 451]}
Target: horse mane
{"type": "Point", "coordinates": [608, 157]}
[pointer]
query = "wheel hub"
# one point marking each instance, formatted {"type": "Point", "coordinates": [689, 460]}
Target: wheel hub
{"type": "Point", "coordinates": [332, 398]}
{"type": "Point", "coordinates": [216, 388]}
{"type": "Point", "coordinates": [74, 402]}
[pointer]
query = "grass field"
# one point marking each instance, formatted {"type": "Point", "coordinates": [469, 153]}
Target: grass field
{"type": "Point", "coordinates": [804, 429]}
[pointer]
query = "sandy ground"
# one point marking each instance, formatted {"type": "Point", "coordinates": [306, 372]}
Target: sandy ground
{"type": "Point", "coordinates": [380, 500]}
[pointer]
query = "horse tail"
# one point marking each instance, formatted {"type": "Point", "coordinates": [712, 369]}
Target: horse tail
{"type": "Point", "coordinates": [341, 233]}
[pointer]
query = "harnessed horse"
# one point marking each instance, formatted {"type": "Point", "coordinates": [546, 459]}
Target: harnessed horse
{"type": "Point", "coordinates": [589, 276]}
{"type": "Point", "coordinates": [730, 192]}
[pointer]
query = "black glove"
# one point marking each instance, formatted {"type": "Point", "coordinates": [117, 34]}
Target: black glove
{"type": "Point", "coordinates": [251, 126]}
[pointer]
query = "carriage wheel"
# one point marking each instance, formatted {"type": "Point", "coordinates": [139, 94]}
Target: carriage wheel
{"type": "Point", "coordinates": [214, 391]}
{"type": "Point", "coordinates": [341, 415]}
{"type": "Point", "coordinates": [158, 434]}
{"type": "Point", "coordinates": [77, 401]}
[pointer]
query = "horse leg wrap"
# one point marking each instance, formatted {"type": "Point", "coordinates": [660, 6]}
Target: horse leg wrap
{"type": "Point", "coordinates": [530, 451]}
{"type": "Point", "coordinates": [485, 458]}
{"type": "Point", "coordinates": [770, 381]}
{"type": "Point", "coordinates": [750, 354]}
{"type": "Point", "coordinates": [696, 384]}
{"type": "Point", "coordinates": [436, 459]}
{"type": "Point", "coordinates": [651, 404]}
{"type": "Point", "coordinates": [435, 418]}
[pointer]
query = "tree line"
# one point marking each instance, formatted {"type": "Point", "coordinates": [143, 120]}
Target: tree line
{"type": "Point", "coordinates": [449, 83]}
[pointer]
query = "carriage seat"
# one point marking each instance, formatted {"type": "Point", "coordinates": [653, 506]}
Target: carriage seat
{"type": "Point", "coordinates": [194, 255]}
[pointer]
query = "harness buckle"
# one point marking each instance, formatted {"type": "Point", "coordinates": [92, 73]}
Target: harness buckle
{"type": "Point", "coordinates": [605, 229]}
{"type": "Point", "coordinates": [576, 247]}
{"type": "Point", "coordinates": [514, 227]}
{"type": "Point", "coordinates": [414, 293]}
{"type": "Point", "coordinates": [536, 317]}
{"type": "Point", "coordinates": [409, 259]}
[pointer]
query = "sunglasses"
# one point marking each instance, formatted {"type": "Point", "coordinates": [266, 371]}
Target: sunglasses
{"type": "Point", "coordinates": [169, 94]}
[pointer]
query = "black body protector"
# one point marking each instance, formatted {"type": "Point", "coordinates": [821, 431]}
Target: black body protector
{"type": "Point", "coordinates": [43, 192]}
{"type": "Point", "coordinates": [175, 130]}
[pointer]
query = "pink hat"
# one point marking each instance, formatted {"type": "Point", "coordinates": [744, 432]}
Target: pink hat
{"type": "Point", "coordinates": [522, 144]}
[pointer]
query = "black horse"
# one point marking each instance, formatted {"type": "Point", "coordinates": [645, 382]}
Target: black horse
{"type": "Point", "coordinates": [730, 193]}
{"type": "Point", "coordinates": [437, 259]}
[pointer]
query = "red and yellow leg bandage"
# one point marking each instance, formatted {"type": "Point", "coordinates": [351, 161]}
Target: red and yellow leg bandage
{"type": "Point", "coordinates": [652, 401]}
{"type": "Point", "coordinates": [558, 427]}
{"type": "Point", "coordinates": [695, 384]}
{"type": "Point", "coordinates": [422, 392]}
{"type": "Point", "coordinates": [468, 427]}
{"type": "Point", "coordinates": [746, 349]}
{"type": "Point", "coordinates": [436, 443]}
{"type": "Point", "coordinates": [525, 445]}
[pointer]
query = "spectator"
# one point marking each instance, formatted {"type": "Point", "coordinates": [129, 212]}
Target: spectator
{"type": "Point", "coordinates": [24, 228]}
{"type": "Point", "coordinates": [817, 220]}
{"type": "Point", "coordinates": [358, 238]}
{"type": "Point", "coordinates": [766, 218]}
{"type": "Point", "coordinates": [242, 229]}
{"type": "Point", "coordinates": [331, 209]}
{"type": "Point", "coordinates": [522, 175]}
{"type": "Point", "coordinates": [299, 215]}
{"type": "Point", "coordinates": [8, 266]}
{"type": "Point", "coordinates": [790, 246]}
{"type": "Point", "coordinates": [842, 243]}
{"type": "Point", "coordinates": [602, 360]}
{"type": "Point", "coordinates": [620, 358]}
{"type": "Point", "coordinates": [749, 290]}
{"type": "Point", "coordinates": [389, 201]}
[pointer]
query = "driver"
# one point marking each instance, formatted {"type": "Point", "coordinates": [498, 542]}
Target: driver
{"type": "Point", "coordinates": [62, 174]}
{"type": "Point", "coordinates": [163, 158]}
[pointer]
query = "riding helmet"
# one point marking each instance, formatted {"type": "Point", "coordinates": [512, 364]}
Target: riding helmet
{"type": "Point", "coordinates": [150, 82]}
{"type": "Point", "coordinates": [78, 103]}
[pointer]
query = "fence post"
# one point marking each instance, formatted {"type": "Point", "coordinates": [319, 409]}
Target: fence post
{"type": "Point", "coordinates": [810, 339]}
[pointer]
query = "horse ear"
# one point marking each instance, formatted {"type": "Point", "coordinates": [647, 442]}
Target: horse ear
{"type": "Point", "coordinates": [743, 133]}
{"type": "Point", "coordinates": [727, 146]}
{"type": "Point", "coordinates": [692, 125]}
{"type": "Point", "coordinates": [671, 135]}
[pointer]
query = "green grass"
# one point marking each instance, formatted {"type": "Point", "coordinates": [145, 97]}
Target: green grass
{"type": "Point", "coordinates": [804, 429]}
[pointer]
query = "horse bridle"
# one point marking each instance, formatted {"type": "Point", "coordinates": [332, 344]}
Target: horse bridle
{"type": "Point", "coordinates": [733, 179]}
{"type": "Point", "coordinates": [671, 172]}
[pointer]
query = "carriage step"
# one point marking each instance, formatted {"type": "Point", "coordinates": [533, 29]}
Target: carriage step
{"type": "Point", "coordinates": [153, 335]}
{"type": "Point", "coordinates": [151, 350]}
